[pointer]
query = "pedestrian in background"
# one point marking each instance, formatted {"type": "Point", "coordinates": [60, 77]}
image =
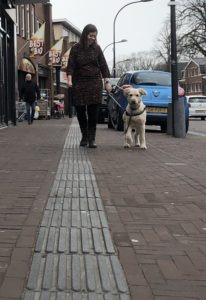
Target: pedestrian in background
{"type": "Point", "coordinates": [29, 93]}
{"type": "Point", "coordinates": [86, 68]}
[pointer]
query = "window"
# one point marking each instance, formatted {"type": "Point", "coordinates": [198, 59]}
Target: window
{"type": "Point", "coordinates": [32, 20]}
{"type": "Point", "coordinates": [17, 20]}
{"type": "Point", "coordinates": [197, 99]}
{"type": "Point", "coordinates": [28, 22]}
{"type": "Point", "coordinates": [22, 21]}
{"type": "Point", "coordinates": [149, 78]}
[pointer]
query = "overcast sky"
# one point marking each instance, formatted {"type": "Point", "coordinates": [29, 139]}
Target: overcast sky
{"type": "Point", "coordinates": [139, 23]}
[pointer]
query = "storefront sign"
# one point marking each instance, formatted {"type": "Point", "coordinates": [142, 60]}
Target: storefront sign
{"type": "Point", "coordinates": [55, 54]}
{"type": "Point", "coordinates": [29, 1]}
{"type": "Point", "coordinates": [65, 58]}
{"type": "Point", "coordinates": [36, 43]}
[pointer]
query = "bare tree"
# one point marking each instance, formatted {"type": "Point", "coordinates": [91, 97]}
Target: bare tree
{"type": "Point", "coordinates": [137, 61]}
{"type": "Point", "coordinates": [192, 17]}
{"type": "Point", "coordinates": [163, 46]}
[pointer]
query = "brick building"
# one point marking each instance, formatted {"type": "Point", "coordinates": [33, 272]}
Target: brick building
{"type": "Point", "coordinates": [62, 28]}
{"type": "Point", "coordinates": [19, 19]}
{"type": "Point", "coordinates": [194, 77]}
{"type": "Point", "coordinates": [8, 77]}
{"type": "Point", "coordinates": [29, 18]}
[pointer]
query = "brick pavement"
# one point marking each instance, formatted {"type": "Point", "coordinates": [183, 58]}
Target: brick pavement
{"type": "Point", "coordinates": [29, 157]}
{"type": "Point", "coordinates": [156, 209]}
{"type": "Point", "coordinates": [154, 201]}
{"type": "Point", "coordinates": [74, 257]}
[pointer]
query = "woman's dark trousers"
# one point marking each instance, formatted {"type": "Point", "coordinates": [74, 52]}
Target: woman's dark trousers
{"type": "Point", "coordinates": [87, 116]}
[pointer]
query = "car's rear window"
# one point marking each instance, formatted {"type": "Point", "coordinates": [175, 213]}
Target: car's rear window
{"type": "Point", "coordinates": [163, 79]}
{"type": "Point", "coordinates": [197, 100]}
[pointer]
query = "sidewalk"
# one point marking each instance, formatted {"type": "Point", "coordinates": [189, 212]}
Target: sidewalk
{"type": "Point", "coordinates": [154, 202]}
{"type": "Point", "coordinates": [29, 157]}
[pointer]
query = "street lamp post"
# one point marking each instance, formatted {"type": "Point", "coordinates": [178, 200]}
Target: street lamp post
{"type": "Point", "coordinates": [122, 41]}
{"type": "Point", "coordinates": [114, 23]}
{"type": "Point", "coordinates": [178, 110]}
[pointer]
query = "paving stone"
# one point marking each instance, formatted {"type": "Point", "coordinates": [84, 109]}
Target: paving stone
{"type": "Point", "coordinates": [12, 287]}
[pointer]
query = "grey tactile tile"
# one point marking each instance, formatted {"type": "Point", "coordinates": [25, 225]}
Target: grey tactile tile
{"type": "Point", "coordinates": [74, 254]}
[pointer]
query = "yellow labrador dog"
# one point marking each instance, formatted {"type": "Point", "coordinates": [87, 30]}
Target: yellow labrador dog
{"type": "Point", "coordinates": [134, 118]}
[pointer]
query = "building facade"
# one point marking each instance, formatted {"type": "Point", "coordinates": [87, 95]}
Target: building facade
{"type": "Point", "coordinates": [8, 77]}
{"type": "Point", "coordinates": [62, 28]}
{"type": "Point", "coordinates": [18, 21]}
{"type": "Point", "coordinates": [29, 19]}
{"type": "Point", "coordinates": [194, 77]}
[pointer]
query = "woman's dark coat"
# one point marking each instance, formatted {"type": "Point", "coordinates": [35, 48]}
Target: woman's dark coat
{"type": "Point", "coordinates": [87, 68]}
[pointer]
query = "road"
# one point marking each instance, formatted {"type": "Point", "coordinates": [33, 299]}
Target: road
{"type": "Point", "coordinates": [197, 126]}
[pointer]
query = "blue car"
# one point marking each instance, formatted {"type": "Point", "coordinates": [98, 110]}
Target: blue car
{"type": "Point", "coordinates": [159, 94]}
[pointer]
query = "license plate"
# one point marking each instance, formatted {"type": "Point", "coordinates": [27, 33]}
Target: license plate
{"type": "Point", "coordinates": [200, 111]}
{"type": "Point", "coordinates": [157, 109]}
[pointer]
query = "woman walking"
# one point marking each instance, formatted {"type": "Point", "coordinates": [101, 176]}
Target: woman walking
{"type": "Point", "coordinates": [85, 70]}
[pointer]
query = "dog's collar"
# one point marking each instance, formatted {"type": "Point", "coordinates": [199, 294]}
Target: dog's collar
{"type": "Point", "coordinates": [136, 114]}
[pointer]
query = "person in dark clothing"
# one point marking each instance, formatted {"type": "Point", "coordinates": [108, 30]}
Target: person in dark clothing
{"type": "Point", "coordinates": [29, 93]}
{"type": "Point", "coordinates": [85, 70]}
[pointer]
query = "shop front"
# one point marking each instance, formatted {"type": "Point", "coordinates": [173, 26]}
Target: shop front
{"type": "Point", "coordinates": [7, 66]}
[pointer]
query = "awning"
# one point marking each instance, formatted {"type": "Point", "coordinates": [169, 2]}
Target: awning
{"type": "Point", "coordinates": [27, 66]}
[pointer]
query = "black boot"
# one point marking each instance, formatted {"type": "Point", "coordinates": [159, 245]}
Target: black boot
{"type": "Point", "coordinates": [91, 138]}
{"type": "Point", "coordinates": [84, 140]}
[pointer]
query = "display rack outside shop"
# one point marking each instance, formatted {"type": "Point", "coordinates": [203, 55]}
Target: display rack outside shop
{"type": "Point", "coordinates": [43, 103]}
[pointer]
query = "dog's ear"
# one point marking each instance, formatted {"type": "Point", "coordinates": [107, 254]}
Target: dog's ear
{"type": "Point", "coordinates": [142, 92]}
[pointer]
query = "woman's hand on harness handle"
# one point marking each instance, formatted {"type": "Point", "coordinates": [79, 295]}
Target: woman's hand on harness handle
{"type": "Point", "coordinates": [69, 81]}
{"type": "Point", "coordinates": [107, 86]}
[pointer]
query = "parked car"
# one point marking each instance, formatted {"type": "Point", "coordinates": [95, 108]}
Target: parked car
{"type": "Point", "coordinates": [197, 106]}
{"type": "Point", "coordinates": [103, 109]}
{"type": "Point", "coordinates": [159, 94]}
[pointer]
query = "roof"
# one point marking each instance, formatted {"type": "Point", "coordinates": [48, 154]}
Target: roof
{"type": "Point", "coordinates": [67, 25]}
{"type": "Point", "coordinates": [200, 61]}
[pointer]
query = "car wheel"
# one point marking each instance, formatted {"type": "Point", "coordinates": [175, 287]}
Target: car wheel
{"type": "Point", "coordinates": [119, 124]}
{"type": "Point", "coordinates": [202, 118]}
{"type": "Point", "coordinates": [109, 122]}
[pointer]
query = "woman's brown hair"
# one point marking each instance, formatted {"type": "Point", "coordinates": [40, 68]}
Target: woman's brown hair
{"type": "Point", "coordinates": [87, 29]}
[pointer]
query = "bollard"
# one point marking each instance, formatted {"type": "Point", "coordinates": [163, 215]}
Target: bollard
{"type": "Point", "coordinates": [178, 129]}
{"type": "Point", "coordinates": [169, 119]}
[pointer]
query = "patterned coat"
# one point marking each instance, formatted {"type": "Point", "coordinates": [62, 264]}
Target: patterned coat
{"type": "Point", "coordinates": [87, 68]}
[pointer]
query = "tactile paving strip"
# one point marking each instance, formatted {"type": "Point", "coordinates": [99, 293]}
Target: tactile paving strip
{"type": "Point", "coordinates": [74, 255]}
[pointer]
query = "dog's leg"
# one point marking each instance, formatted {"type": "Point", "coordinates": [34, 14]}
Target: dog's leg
{"type": "Point", "coordinates": [128, 138]}
{"type": "Point", "coordinates": [142, 137]}
{"type": "Point", "coordinates": [136, 138]}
